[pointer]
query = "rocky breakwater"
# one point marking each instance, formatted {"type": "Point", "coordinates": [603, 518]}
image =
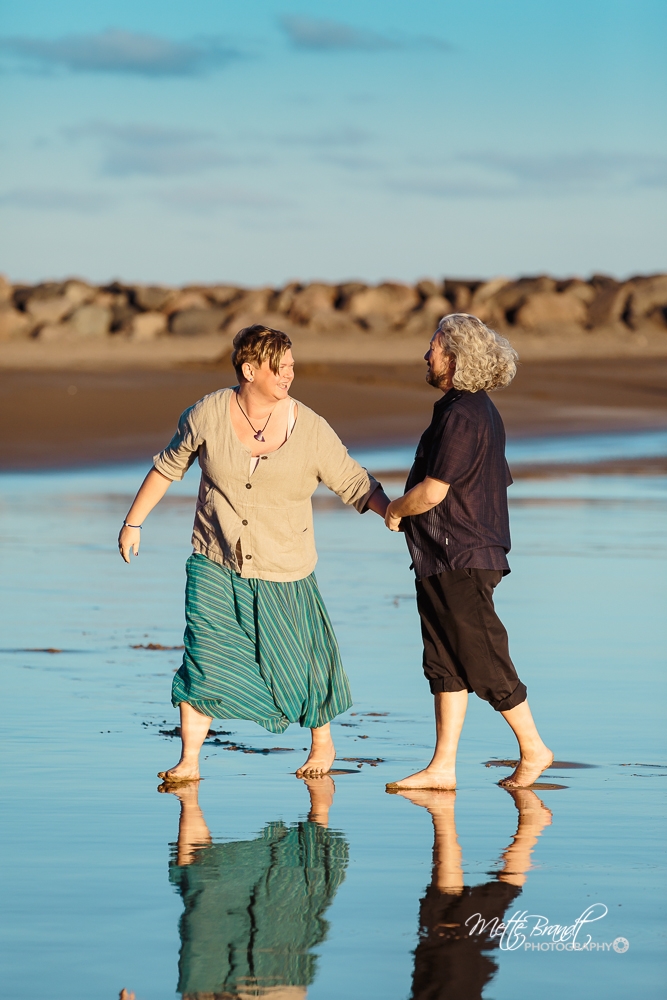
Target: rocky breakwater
{"type": "Point", "coordinates": [544, 316]}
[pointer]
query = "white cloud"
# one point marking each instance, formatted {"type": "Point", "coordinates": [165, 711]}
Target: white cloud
{"type": "Point", "coordinates": [201, 200]}
{"type": "Point", "coordinates": [323, 35]}
{"type": "Point", "coordinates": [118, 51]}
{"type": "Point", "coordinates": [151, 149]}
{"type": "Point", "coordinates": [54, 199]}
{"type": "Point", "coordinates": [501, 175]}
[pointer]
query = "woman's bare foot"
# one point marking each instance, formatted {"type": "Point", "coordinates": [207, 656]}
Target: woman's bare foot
{"type": "Point", "coordinates": [530, 767]}
{"type": "Point", "coordinates": [431, 778]}
{"type": "Point", "coordinates": [433, 800]}
{"type": "Point", "coordinates": [322, 753]}
{"type": "Point", "coordinates": [321, 789]}
{"type": "Point", "coordinates": [185, 770]}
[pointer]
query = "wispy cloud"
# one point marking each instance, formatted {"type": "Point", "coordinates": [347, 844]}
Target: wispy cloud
{"type": "Point", "coordinates": [200, 200]}
{"type": "Point", "coordinates": [323, 35]}
{"type": "Point", "coordinates": [151, 149]}
{"type": "Point", "coordinates": [54, 199]}
{"type": "Point", "coordinates": [118, 51]}
{"type": "Point", "coordinates": [499, 175]}
{"type": "Point", "coordinates": [345, 136]}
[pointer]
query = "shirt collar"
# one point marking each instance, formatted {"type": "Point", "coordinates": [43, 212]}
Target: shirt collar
{"type": "Point", "coordinates": [449, 397]}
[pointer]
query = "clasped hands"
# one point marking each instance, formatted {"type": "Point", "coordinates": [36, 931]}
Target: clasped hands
{"type": "Point", "coordinates": [422, 497]}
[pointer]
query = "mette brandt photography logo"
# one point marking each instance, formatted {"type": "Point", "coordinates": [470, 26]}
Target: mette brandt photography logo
{"type": "Point", "coordinates": [525, 931]}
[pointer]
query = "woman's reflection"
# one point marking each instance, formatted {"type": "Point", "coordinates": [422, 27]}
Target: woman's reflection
{"type": "Point", "coordinates": [254, 909]}
{"type": "Point", "coordinates": [450, 963]}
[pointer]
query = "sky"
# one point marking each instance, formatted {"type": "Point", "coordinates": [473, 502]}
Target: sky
{"type": "Point", "coordinates": [262, 141]}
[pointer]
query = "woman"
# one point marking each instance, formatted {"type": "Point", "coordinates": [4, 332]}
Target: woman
{"type": "Point", "coordinates": [258, 641]}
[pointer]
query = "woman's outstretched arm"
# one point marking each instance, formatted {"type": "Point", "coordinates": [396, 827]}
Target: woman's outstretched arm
{"type": "Point", "coordinates": [151, 491]}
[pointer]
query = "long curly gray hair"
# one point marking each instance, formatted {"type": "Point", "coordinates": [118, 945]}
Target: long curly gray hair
{"type": "Point", "coordinates": [484, 359]}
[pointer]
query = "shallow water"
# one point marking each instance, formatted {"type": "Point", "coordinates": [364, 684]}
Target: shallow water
{"type": "Point", "coordinates": [575, 448]}
{"type": "Point", "coordinates": [94, 887]}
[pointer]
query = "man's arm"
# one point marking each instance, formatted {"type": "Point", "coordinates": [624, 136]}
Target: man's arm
{"type": "Point", "coordinates": [418, 500]}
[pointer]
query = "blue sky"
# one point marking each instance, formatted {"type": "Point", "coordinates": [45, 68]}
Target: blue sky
{"type": "Point", "coordinates": [273, 139]}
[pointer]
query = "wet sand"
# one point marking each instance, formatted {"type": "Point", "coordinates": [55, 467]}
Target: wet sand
{"type": "Point", "coordinates": [58, 419]}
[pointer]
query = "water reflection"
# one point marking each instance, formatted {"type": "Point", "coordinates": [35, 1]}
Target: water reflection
{"type": "Point", "coordinates": [254, 909]}
{"type": "Point", "coordinates": [449, 962]}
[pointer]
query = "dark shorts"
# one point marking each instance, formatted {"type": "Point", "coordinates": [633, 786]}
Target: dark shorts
{"type": "Point", "coordinates": [465, 643]}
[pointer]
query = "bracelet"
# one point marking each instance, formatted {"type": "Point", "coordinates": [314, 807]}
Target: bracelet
{"type": "Point", "coordinates": [126, 525]}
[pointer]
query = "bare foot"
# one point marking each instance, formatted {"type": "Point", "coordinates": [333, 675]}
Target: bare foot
{"type": "Point", "coordinates": [185, 791]}
{"type": "Point", "coordinates": [184, 771]}
{"type": "Point", "coordinates": [321, 788]}
{"type": "Point", "coordinates": [322, 754]}
{"type": "Point", "coordinates": [434, 778]}
{"type": "Point", "coordinates": [529, 769]}
{"type": "Point", "coordinates": [436, 801]}
{"type": "Point", "coordinates": [532, 811]}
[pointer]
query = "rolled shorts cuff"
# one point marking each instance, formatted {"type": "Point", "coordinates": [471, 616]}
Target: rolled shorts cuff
{"type": "Point", "coordinates": [517, 697]}
{"type": "Point", "coordinates": [442, 685]}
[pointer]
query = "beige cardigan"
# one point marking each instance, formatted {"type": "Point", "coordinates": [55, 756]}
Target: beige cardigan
{"type": "Point", "coordinates": [261, 525]}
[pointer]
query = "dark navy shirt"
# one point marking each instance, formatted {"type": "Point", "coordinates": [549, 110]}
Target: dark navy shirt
{"type": "Point", "coordinates": [465, 447]}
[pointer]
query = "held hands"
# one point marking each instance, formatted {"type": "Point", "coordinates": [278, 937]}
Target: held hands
{"type": "Point", "coordinates": [391, 520]}
{"type": "Point", "coordinates": [128, 541]}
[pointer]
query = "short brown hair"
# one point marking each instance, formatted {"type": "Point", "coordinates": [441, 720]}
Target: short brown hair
{"type": "Point", "coordinates": [256, 344]}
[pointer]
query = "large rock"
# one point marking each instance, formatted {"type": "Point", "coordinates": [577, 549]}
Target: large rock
{"type": "Point", "coordinates": [253, 306]}
{"type": "Point", "coordinates": [427, 288]}
{"type": "Point", "coordinates": [580, 289]}
{"type": "Point", "coordinates": [197, 322]}
{"type": "Point", "coordinates": [223, 295]}
{"type": "Point", "coordinates": [332, 321]}
{"type": "Point", "coordinates": [483, 302]}
{"type": "Point", "coordinates": [648, 301]}
{"type": "Point", "coordinates": [13, 324]}
{"type": "Point", "coordinates": [460, 292]}
{"type": "Point", "coordinates": [424, 322]}
{"type": "Point", "coordinates": [285, 297]}
{"type": "Point", "coordinates": [79, 292]}
{"type": "Point", "coordinates": [609, 304]}
{"type": "Point", "coordinates": [152, 297]}
{"type": "Point", "coordinates": [50, 310]}
{"type": "Point", "coordinates": [388, 304]}
{"type": "Point", "coordinates": [313, 300]}
{"type": "Point", "coordinates": [91, 321]}
{"type": "Point", "coordinates": [6, 290]}
{"type": "Point", "coordinates": [547, 309]}
{"type": "Point", "coordinates": [187, 299]}
{"type": "Point", "coordinates": [148, 325]}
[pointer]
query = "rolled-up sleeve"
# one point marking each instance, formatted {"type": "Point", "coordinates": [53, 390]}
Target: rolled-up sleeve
{"type": "Point", "coordinates": [182, 450]}
{"type": "Point", "coordinates": [340, 472]}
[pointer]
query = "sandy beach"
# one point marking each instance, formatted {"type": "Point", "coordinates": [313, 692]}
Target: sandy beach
{"type": "Point", "coordinates": [54, 418]}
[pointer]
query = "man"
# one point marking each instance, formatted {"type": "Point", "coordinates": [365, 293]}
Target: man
{"type": "Point", "coordinates": [455, 518]}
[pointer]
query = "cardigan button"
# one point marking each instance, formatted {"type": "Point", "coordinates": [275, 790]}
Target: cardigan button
{"type": "Point", "coordinates": [244, 522]}
{"type": "Point", "coordinates": [264, 457]}
{"type": "Point", "coordinates": [248, 486]}
{"type": "Point", "coordinates": [248, 557]}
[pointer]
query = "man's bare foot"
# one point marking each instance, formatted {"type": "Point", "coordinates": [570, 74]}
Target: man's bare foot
{"type": "Point", "coordinates": [322, 754]}
{"type": "Point", "coordinates": [533, 813]}
{"type": "Point", "coordinates": [529, 769]}
{"type": "Point", "coordinates": [184, 771]}
{"type": "Point", "coordinates": [434, 778]}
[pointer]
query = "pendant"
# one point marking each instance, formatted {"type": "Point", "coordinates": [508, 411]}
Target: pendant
{"type": "Point", "coordinates": [258, 436]}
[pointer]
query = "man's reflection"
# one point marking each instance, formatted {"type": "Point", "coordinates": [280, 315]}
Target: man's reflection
{"type": "Point", "coordinates": [254, 909]}
{"type": "Point", "coordinates": [450, 964]}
